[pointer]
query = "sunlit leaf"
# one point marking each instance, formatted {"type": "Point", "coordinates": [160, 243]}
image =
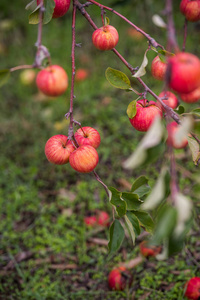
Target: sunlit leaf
{"type": "Point", "coordinates": [194, 148]}
{"type": "Point", "coordinates": [131, 109]}
{"type": "Point", "coordinates": [107, 21]}
{"type": "Point", "coordinates": [118, 79]}
{"type": "Point", "coordinates": [184, 209]}
{"type": "Point", "coordinates": [152, 139]}
{"type": "Point", "coordinates": [158, 192]}
{"type": "Point", "coordinates": [4, 76]}
{"type": "Point", "coordinates": [142, 71]}
{"type": "Point", "coordinates": [116, 233]}
{"type": "Point", "coordinates": [158, 21]}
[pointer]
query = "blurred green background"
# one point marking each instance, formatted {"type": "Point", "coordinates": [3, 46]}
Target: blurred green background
{"type": "Point", "coordinates": [42, 205]}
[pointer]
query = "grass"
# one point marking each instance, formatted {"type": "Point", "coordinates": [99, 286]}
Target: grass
{"type": "Point", "coordinates": [42, 205]}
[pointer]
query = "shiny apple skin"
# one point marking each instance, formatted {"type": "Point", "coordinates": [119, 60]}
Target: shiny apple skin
{"type": "Point", "coordinates": [183, 72]}
{"type": "Point", "coordinates": [52, 81]}
{"type": "Point", "coordinates": [145, 115]}
{"type": "Point", "coordinates": [88, 136]}
{"type": "Point", "coordinates": [158, 68]}
{"type": "Point", "coordinates": [84, 159]}
{"type": "Point", "coordinates": [58, 149]}
{"type": "Point", "coordinates": [105, 38]}
{"type": "Point", "coordinates": [172, 100]}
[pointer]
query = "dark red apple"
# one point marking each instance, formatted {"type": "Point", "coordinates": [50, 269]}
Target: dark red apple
{"type": "Point", "coordinates": [84, 159]}
{"type": "Point", "coordinates": [183, 72]}
{"type": "Point", "coordinates": [191, 97]}
{"type": "Point", "coordinates": [58, 149]}
{"type": "Point", "coordinates": [119, 278]}
{"type": "Point", "coordinates": [145, 114]}
{"type": "Point", "coordinates": [172, 100]}
{"type": "Point", "coordinates": [193, 289]}
{"type": "Point", "coordinates": [158, 68]}
{"type": "Point", "coordinates": [52, 81]}
{"type": "Point", "coordinates": [88, 136]}
{"type": "Point", "coordinates": [105, 38]}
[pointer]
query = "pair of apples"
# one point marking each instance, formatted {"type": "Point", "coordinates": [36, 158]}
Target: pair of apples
{"type": "Point", "coordinates": [59, 150]}
{"type": "Point", "coordinates": [182, 73]}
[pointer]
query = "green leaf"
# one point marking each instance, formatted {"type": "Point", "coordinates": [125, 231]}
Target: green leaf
{"type": "Point", "coordinates": [196, 112]}
{"type": "Point", "coordinates": [131, 109]}
{"type": "Point", "coordinates": [166, 224]}
{"type": "Point", "coordinates": [195, 149]}
{"type": "Point", "coordinates": [118, 79]}
{"type": "Point", "coordinates": [47, 16]}
{"type": "Point", "coordinates": [132, 201]}
{"type": "Point", "coordinates": [180, 110]}
{"type": "Point", "coordinates": [116, 200]}
{"type": "Point", "coordinates": [31, 5]}
{"type": "Point", "coordinates": [140, 186]}
{"type": "Point", "coordinates": [4, 76]}
{"type": "Point", "coordinates": [116, 237]}
{"type": "Point", "coordinates": [152, 139]}
{"type": "Point", "coordinates": [134, 222]}
{"type": "Point", "coordinates": [145, 220]}
{"type": "Point", "coordinates": [158, 192]}
{"type": "Point", "coordinates": [107, 21]}
{"type": "Point", "coordinates": [142, 71]}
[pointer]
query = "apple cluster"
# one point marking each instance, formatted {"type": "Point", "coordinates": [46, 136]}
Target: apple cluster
{"type": "Point", "coordinates": [84, 158]}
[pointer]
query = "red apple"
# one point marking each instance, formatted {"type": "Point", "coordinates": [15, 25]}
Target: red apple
{"type": "Point", "coordinates": [193, 288]}
{"type": "Point", "coordinates": [191, 97]}
{"type": "Point", "coordinates": [172, 100]}
{"type": "Point", "coordinates": [88, 136]}
{"type": "Point", "coordinates": [52, 81]}
{"type": "Point", "coordinates": [103, 218]}
{"type": "Point", "coordinates": [190, 9]}
{"type": "Point", "coordinates": [147, 250]}
{"type": "Point", "coordinates": [61, 7]}
{"type": "Point", "coordinates": [90, 221]}
{"type": "Point", "coordinates": [81, 74]}
{"type": "Point", "coordinates": [183, 72]}
{"type": "Point", "coordinates": [27, 77]}
{"type": "Point", "coordinates": [105, 38]}
{"type": "Point", "coordinates": [171, 140]}
{"type": "Point", "coordinates": [145, 114]}
{"type": "Point", "coordinates": [158, 68]}
{"type": "Point", "coordinates": [58, 149]}
{"type": "Point", "coordinates": [119, 278]}
{"type": "Point", "coordinates": [84, 159]}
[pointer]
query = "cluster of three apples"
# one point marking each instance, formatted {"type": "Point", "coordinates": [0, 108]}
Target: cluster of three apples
{"type": "Point", "coordinates": [59, 150]}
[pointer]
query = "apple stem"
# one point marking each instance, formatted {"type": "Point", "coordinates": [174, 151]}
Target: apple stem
{"type": "Point", "coordinates": [85, 135]}
{"type": "Point", "coordinates": [102, 16]}
{"type": "Point", "coordinates": [103, 184]}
